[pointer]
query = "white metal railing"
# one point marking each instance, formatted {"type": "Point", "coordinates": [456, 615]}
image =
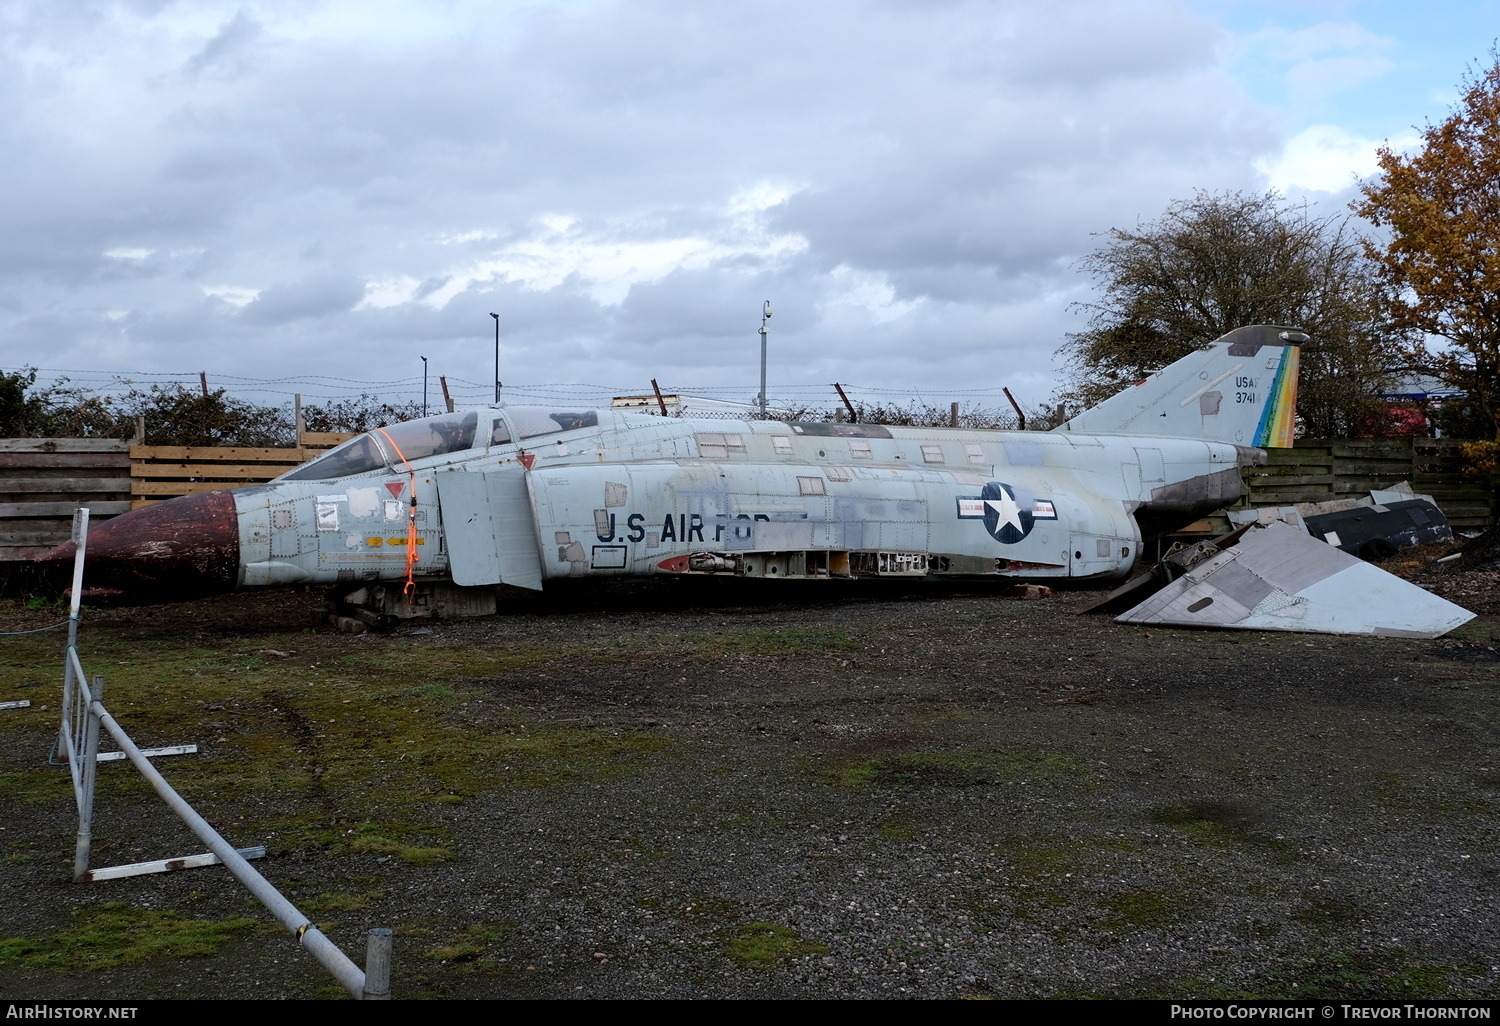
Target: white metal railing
{"type": "Point", "coordinates": [83, 714]}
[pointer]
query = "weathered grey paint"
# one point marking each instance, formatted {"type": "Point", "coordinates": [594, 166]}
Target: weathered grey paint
{"type": "Point", "coordinates": [636, 494]}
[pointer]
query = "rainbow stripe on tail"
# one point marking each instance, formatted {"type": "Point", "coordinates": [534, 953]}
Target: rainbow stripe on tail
{"type": "Point", "coordinates": [1278, 421]}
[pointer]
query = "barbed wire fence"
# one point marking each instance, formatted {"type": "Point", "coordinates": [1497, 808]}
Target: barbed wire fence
{"type": "Point", "coordinates": [236, 409]}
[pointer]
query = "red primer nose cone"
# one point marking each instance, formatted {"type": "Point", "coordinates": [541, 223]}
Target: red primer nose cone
{"type": "Point", "coordinates": [188, 544]}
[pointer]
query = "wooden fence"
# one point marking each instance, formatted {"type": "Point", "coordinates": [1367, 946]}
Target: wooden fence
{"type": "Point", "coordinates": [159, 472]}
{"type": "Point", "coordinates": [42, 480]}
{"type": "Point", "coordinates": [1319, 469]}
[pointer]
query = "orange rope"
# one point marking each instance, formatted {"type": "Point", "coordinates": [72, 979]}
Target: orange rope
{"type": "Point", "coordinates": [411, 521]}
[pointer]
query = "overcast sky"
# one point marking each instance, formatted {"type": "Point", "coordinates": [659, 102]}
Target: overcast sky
{"type": "Point", "coordinates": [263, 189]}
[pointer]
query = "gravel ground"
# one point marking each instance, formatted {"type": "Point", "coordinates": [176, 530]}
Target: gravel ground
{"type": "Point", "coordinates": [650, 794]}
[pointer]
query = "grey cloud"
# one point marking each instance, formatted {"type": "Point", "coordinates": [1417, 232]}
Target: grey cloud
{"type": "Point", "coordinates": [226, 54]}
{"type": "Point", "coordinates": [317, 296]}
{"type": "Point", "coordinates": [960, 153]}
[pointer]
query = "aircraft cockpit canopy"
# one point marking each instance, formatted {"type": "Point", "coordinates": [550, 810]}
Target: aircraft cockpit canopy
{"type": "Point", "coordinates": [532, 421]}
{"type": "Point", "coordinates": [430, 436]}
{"type": "Point", "coordinates": [399, 444]}
{"type": "Point", "coordinates": [356, 456]}
{"type": "Point", "coordinates": [393, 446]}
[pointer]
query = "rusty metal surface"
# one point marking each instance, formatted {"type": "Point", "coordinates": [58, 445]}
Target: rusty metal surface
{"type": "Point", "coordinates": [189, 544]}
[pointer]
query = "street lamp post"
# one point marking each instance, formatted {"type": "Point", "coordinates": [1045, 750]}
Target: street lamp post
{"type": "Point", "coordinates": [424, 386]}
{"type": "Point", "coordinates": [497, 357]}
{"type": "Point", "coordinates": [765, 317]}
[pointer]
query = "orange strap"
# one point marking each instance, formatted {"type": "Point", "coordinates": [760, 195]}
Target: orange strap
{"type": "Point", "coordinates": [411, 520]}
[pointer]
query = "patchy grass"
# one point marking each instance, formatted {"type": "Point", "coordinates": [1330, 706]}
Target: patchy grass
{"type": "Point", "coordinates": [415, 845]}
{"type": "Point", "coordinates": [338, 901]}
{"type": "Point", "coordinates": [964, 767]}
{"type": "Point", "coordinates": [902, 827]}
{"type": "Point", "coordinates": [117, 934]}
{"type": "Point", "coordinates": [1138, 910]}
{"type": "Point", "coordinates": [322, 730]}
{"type": "Point", "coordinates": [1328, 912]}
{"type": "Point", "coordinates": [765, 945]}
{"type": "Point", "coordinates": [474, 949]}
{"type": "Point", "coordinates": [1215, 823]}
{"type": "Point", "coordinates": [1369, 974]}
{"type": "Point", "coordinates": [37, 785]}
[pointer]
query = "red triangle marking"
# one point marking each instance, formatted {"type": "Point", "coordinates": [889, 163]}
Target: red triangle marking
{"type": "Point", "coordinates": [394, 487]}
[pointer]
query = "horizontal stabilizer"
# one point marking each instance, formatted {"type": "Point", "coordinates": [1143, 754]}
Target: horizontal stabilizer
{"type": "Point", "coordinates": [1241, 388]}
{"type": "Point", "coordinates": [1279, 579]}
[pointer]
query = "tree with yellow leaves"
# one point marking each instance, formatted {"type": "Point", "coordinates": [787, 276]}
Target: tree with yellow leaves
{"type": "Point", "coordinates": [1441, 266]}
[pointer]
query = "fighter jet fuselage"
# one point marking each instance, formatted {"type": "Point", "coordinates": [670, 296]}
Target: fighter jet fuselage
{"type": "Point", "coordinates": [522, 495]}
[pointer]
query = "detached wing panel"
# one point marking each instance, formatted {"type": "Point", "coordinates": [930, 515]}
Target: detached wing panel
{"type": "Point", "coordinates": [490, 528]}
{"type": "Point", "coordinates": [1279, 579]}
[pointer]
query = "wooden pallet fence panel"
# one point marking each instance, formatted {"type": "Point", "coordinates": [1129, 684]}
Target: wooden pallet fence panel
{"type": "Point", "coordinates": [68, 485]}
{"type": "Point", "coordinates": [324, 439]}
{"type": "Point", "coordinates": [1290, 497]}
{"type": "Point", "coordinates": [165, 489]}
{"type": "Point", "coordinates": [11, 510]}
{"type": "Point", "coordinates": [1288, 480]}
{"type": "Point", "coordinates": [1373, 472]}
{"type": "Point", "coordinates": [165, 471]}
{"type": "Point", "coordinates": [22, 461]}
{"type": "Point", "coordinates": [217, 454]}
{"type": "Point", "coordinates": [43, 480]}
{"type": "Point", "coordinates": [20, 545]}
{"type": "Point", "coordinates": [232, 471]}
{"type": "Point", "coordinates": [94, 445]}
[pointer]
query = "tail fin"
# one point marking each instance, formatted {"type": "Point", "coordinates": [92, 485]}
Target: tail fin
{"type": "Point", "coordinates": [1241, 388]}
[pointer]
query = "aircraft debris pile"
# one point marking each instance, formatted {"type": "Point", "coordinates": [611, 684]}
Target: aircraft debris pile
{"type": "Point", "coordinates": [1372, 527]}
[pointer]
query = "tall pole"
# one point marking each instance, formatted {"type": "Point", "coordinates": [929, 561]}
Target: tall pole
{"type": "Point", "coordinates": [424, 386]}
{"type": "Point", "coordinates": [765, 329]}
{"type": "Point", "coordinates": [497, 357]}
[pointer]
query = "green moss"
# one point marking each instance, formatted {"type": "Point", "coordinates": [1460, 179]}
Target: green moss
{"type": "Point", "coordinates": [1139, 910]}
{"type": "Point", "coordinates": [1369, 974]}
{"type": "Point", "coordinates": [338, 901]}
{"type": "Point", "coordinates": [1328, 913]}
{"type": "Point", "coordinates": [410, 843]}
{"type": "Point", "coordinates": [1214, 823]}
{"type": "Point", "coordinates": [37, 785]}
{"type": "Point", "coordinates": [764, 945]}
{"type": "Point", "coordinates": [901, 827]}
{"type": "Point", "coordinates": [118, 934]}
{"type": "Point", "coordinates": [474, 949]}
{"type": "Point", "coordinates": [965, 767]}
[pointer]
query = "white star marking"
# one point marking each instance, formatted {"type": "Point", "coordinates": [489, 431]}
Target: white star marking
{"type": "Point", "coordinates": [1006, 507]}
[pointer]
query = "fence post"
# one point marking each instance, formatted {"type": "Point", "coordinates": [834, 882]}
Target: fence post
{"type": "Point", "coordinates": [378, 966]}
{"type": "Point", "coordinates": [70, 686]}
{"type": "Point", "coordinates": [90, 758]}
